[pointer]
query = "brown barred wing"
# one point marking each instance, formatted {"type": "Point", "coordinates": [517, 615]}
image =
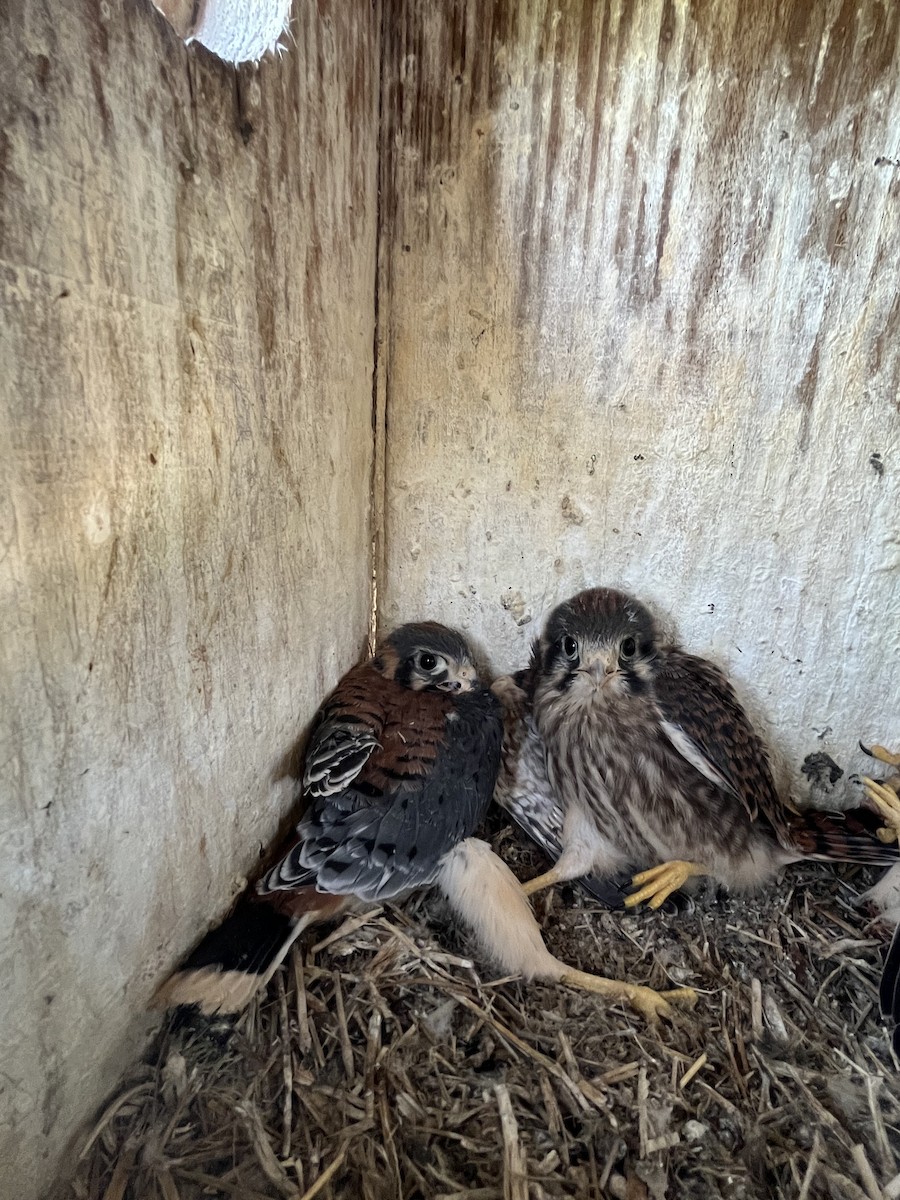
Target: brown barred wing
{"type": "Point", "coordinates": [425, 789]}
{"type": "Point", "coordinates": [704, 721]}
{"type": "Point", "coordinates": [347, 730]}
{"type": "Point", "coordinates": [850, 836]}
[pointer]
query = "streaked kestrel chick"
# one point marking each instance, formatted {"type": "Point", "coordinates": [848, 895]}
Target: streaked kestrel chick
{"type": "Point", "coordinates": [654, 764]}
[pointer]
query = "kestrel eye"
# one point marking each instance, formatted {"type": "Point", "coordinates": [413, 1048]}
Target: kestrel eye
{"type": "Point", "coordinates": [629, 646]}
{"type": "Point", "coordinates": [427, 661]}
{"type": "Point", "coordinates": [570, 648]}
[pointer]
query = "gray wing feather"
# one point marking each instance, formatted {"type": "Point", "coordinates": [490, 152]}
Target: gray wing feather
{"type": "Point", "coordinates": [338, 752]}
{"type": "Point", "coordinates": [380, 845]}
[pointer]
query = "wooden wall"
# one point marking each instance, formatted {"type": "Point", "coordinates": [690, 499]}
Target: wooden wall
{"type": "Point", "coordinates": [188, 272]}
{"type": "Point", "coordinates": [638, 323]}
{"type": "Point", "coordinates": [640, 326]}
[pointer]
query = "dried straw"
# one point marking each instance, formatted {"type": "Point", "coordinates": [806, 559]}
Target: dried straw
{"type": "Point", "coordinates": [382, 1064]}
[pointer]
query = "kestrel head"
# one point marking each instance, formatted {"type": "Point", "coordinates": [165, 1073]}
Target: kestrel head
{"type": "Point", "coordinates": [427, 657]}
{"type": "Point", "coordinates": [600, 643]}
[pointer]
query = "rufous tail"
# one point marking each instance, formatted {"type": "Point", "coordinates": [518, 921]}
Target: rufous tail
{"type": "Point", "coordinates": [237, 958]}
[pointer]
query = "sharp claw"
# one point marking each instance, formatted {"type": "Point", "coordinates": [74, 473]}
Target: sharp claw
{"type": "Point", "coordinates": [660, 882]}
{"type": "Point", "coordinates": [656, 1006]}
{"type": "Point", "coordinates": [886, 803]}
{"type": "Point", "coordinates": [653, 1006]}
{"type": "Point", "coordinates": [653, 873]}
{"type": "Point", "coordinates": [884, 791]}
{"type": "Point", "coordinates": [881, 754]}
{"type": "Point", "coordinates": [645, 894]}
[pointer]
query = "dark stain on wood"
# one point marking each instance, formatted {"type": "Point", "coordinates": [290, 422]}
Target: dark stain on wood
{"type": "Point", "coordinates": [806, 393]}
{"type": "Point", "coordinates": [581, 145]}
{"type": "Point", "coordinates": [100, 98]}
{"type": "Point", "coordinates": [663, 225]}
{"type": "Point", "coordinates": [42, 71]}
{"type": "Point", "coordinates": [214, 231]}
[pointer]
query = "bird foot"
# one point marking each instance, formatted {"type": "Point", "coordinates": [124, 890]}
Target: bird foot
{"type": "Point", "coordinates": [886, 801]}
{"type": "Point", "coordinates": [661, 881]}
{"type": "Point", "coordinates": [653, 1006]}
{"type": "Point", "coordinates": [879, 752]}
{"type": "Point", "coordinates": [543, 881]}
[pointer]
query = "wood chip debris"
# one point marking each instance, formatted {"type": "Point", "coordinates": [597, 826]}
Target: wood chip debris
{"type": "Point", "coordinates": [382, 1065]}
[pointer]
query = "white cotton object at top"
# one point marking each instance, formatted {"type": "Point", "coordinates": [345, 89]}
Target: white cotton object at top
{"type": "Point", "coordinates": [236, 31]}
{"type": "Point", "coordinates": [241, 30]}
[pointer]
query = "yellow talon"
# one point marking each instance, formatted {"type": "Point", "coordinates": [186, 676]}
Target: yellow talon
{"type": "Point", "coordinates": [652, 1005]}
{"type": "Point", "coordinates": [661, 881]}
{"type": "Point", "coordinates": [883, 755]}
{"type": "Point", "coordinates": [656, 1006]}
{"type": "Point", "coordinates": [884, 797]}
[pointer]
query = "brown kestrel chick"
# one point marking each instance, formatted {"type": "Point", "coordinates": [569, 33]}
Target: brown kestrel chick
{"type": "Point", "coordinates": [398, 772]}
{"type": "Point", "coordinates": [654, 764]}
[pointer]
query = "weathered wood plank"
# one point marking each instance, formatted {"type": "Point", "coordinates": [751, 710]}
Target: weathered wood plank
{"type": "Point", "coordinates": [187, 264]}
{"type": "Point", "coordinates": [642, 327]}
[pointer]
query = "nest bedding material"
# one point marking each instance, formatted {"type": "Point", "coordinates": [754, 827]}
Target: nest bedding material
{"type": "Point", "coordinates": [382, 1064]}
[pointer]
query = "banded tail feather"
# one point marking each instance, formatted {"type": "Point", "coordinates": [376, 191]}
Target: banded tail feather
{"type": "Point", "coordinates": [239, 957]}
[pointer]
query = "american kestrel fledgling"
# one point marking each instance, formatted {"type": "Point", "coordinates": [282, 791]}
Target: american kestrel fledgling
{"type": "Point", "coordinates": [398, 772]}
{"type": "Point", "coordinates": [655, 765]}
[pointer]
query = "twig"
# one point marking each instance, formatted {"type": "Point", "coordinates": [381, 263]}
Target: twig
{"type": "Point", "coordinates": [302, 1012]}
{"type": "Point", "coordinates": [345, 929]}
{"type": "Point", "coordinates": [272, 1168]}
{"type": "Point", "coordinates": [848, 1189]}
{"type": "Point", "coordinates": [326, 1175]}
{"type": "Point", "coordinates": [692, 1071]}
{"type": "Point", "coordinates": [888, 1162]}
{"type": "Point", "coordinates": [343, 1032]}
{"type": "Point", "coordinates": [810, 1172]}
{"type": "Point", "coordinates": [866, 1174]}
{"type": "Point", "coordinates": [643, 1091]}
{"type": "Point", "coordinates": [119, 1180]}
{"type": "Point", "coordinates": [110, 1112]}
{"type": "Point", "coordinates": [220, 1184]}
{"type": "Point", "coordinates": [167, 1184]}
{"type": "Point", "coordinates": [515, 1175]}
{"type": "Point", "coordinates": [756, 1019]}
{"type": "Point", "coordinates": [287, 1070]}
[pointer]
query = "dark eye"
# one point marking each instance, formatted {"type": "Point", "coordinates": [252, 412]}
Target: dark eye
{"type": "Point", "coordinates": [629, 646]}
{"type": "Point", "coordinates": [570, 648]}
{"type": "Point", "coordinates": [427, 661]}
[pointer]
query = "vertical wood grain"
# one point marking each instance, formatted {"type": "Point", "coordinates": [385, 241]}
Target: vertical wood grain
{"type": "Point", "coordinates": [187, 259]}
{"type": "Point", "coordinates": [645, 330]}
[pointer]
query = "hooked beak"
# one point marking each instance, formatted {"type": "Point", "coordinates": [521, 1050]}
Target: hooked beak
{"type": "Point", "coordinates": [601, 665]}
{"type": "Point", "coordinates": [464, 680]}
